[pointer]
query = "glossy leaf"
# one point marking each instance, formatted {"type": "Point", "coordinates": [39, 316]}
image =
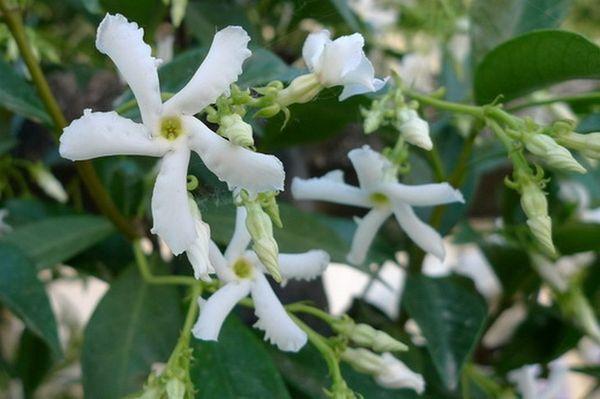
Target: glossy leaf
{"type": "Point", "coordinates": [18, 96]}
{"type": "Point", "coordinates": [495, 21]}
{"type": "Point", "coordinates": [57, 239]}
{"type": "Point", "coordinates": [577, 237]}
{"type": "Point", "coordinates": [25, 295]}
{"type": "Point", "coordinates": [237, 366]}
{"type": "Point", "coordinates": [533, 61]}
{"type": "Point", "coordinates": [134, 326]}
{"type": "Point", "coordinates": [450, 318]}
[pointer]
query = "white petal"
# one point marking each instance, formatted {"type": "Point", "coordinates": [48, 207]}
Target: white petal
{"type": "Point", "coordinates": [98, 134]}
{"type": "Point", "coordinates": [305, 266]}
{"type": "Point", "coordinates": [313, 48]}
{"type": "Point", "coordinates": [123, 42]}
{"type": "Point", "coordinates": [220, 264]}
{"type": "Point", "coordinates": [240, 239]}
{"type": "Point", "coordinates": [423, 194]}
{"type": "Point", "coordinates": [214, 311]}
{"type": "Point", "coordinates": [197, 254]}
{"type": "Point", "coordinates": [370, 166]}
{"type": "Point", "coordinates": [396, 375]}
{"type": "Point", "coordinates": [173, 220]}
{"type": "Point", "coordinates": [525, 379]}
{"type": "Point", "coordinates": [361, 80]}
{"type": "Point", "coordinates": [336, 175]}
{"type": "Point", "coordinates": [422, 234]}
{"type": "Point", "coordinates": [272, 318]}
{"type": "Point", "coordinates": [415, 130]}
{"type": "Point", "coordinates": [340, 57]}
{"type": "Point", "coordinates": [356, 88]}
{"type": "Point", "coordinates": [367, 228]}
{"type": "Point", "coordinates": [326, 189]}
{"type": "Point", "coordinates": [220, 68]}
{"type": "Point", "coordinates": [235, 165]}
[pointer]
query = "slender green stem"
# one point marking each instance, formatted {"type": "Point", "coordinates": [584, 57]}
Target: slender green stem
{"type": "Point", "coordinates": [303, 308]}
{"type": "Point", "coordinates": [319, 342]}
{"type": "Point", "coordinates": [591, 96]}
{"type": "Point", "coordinates": [84, 168]}
{"type": "Point", "coordinates": [191, 315]}
{"type": "Point", "coordinates": [144, 268]}
{"type": "Point", "coordinates": [472, 110]}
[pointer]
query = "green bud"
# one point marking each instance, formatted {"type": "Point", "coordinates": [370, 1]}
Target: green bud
{"type": "Point", "coordinates": [268, 202]}
{"type": "Point", "coordinates": [367, 336]}
{"type": "Point", "coordinates": [48, 183]}
{"type": "Point", "coordinates": [236, 130]}
{"type": "Point", "coordinates": [576, 306]}
{"type": "Point", "coordinates": [555, 155]}
{"type": "Point", "coordinates": [175, 389]}
{"type": "Point", "coordinates": [301, 90]}
{"type": "Point", "coordinates": [535, 206]}
{"type": "Point", "coordinates": [268, 111]}
{"type": "Point", "coordinates": [587, 144]}
{"type": "Point", "coordinates": [363, 360]}
{"type": "Point", "coordinates": [260, 227]}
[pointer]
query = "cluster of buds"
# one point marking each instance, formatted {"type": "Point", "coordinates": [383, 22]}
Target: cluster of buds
{"type": "Point", "coordinates": [535, 206]}
{"type": "Point", "coordinates": [587, 144]}
{"type": "Point", "coordinates": [260, 228]}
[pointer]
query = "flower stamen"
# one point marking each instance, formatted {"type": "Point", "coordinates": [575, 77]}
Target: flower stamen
{"type": "Point", "coordinates": [170, 127]}
{"type": "Point", "coordinates": [242, 268]}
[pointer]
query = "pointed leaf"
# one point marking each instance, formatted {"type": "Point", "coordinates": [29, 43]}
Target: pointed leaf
{"type": "Point", "coordinates": [18, 96]}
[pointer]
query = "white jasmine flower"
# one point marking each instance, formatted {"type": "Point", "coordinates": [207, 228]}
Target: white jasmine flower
{"type": "Point", "coordinates": [4, 227]}
{"type": "Point", "coordinates": [169, 130]}
{"type": "Point", "coordinates": [243, 274]}
{"type": "Point", "coordinates": [380, 191]}
{"type": "Point", "coordinates": [341, 62]}
{"type": "Point", "coordinates": [395, 374]}
{"type": "Point", "coordinates": [530, 386]}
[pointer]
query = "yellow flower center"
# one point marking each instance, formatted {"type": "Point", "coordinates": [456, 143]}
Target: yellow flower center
{"type": "Point", "coordinates": [170, 127]}
{"type": "Point", "coordinates": [242, 268]}
{"type": "Point", "coordinates": [379, 199]}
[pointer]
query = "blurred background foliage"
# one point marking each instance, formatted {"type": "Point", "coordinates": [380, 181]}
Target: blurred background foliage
{"type": "Point", "coordinates": [433, 43]}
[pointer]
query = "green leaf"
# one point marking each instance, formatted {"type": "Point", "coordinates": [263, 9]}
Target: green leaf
{"type": "Point", "coordinates": [315, 121]}
{"type": "Point", "coordinates": [25, 295]}
{"type": "Point", "coordinates": [533, 61]}
{"type": "Point", "coordinates": [147, 13]}
{"type": "Point", "coordinates": [495, 21]}
{"type": "Point", "coordinates": [134, 326]}
{"type": "Point", "coordinates": [57, 239]}
{"type": "Point", "coordinates": [450, 318]}
{"type": "Point", "coordinates": [34, 360]}
{"type": "Point", "coordinates": [343, 8]}
{"type": "Point", "coordinates": [237, 366]}
{"type": "Point", "coordinates": [18, 96]}
{"type": "Point", "coordinates": [512, 266]}
{"type": "Point", "coordinates": [577, 237]}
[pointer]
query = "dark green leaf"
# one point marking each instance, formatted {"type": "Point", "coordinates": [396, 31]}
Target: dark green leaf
{"type": "Point", "coordinates": [25, 295]}
{"type": "Point", "coordinates": [6, 144]}
{"type": "Point", "coordinates": [533, 61]}
{"type": "Point", "coordinates": [577, 237]}
{"type": "Point", "coordinates": [592, 371]}
{"type": "Point", "coordinates": [450, 318]}
{"type": "Point", "coordinates": [204, 18]}
{"type": "Point", "coordinates": [237, 366]}
{"type": "Point", "coordinates": [512, 266]}
{"type": "Point", "coordinates": [146, 13]}
{"type": "Point", "coordinates": [495, 21]}
{"type": "Point", "coordinates": [34, 360]}
{"type": "Point", "coordinates": [57, 239]}
{"type": "Point", "coordinates": [343, 8]}
{"type": "Point", "coordinates": [18, 96]}
{"type": "Point", "coordinates": [134, 326]}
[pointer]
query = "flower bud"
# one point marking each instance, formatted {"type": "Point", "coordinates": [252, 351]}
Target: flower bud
{"type": "Point", "coordinates": [197, 253]}
{"type": "Point", "coordinates": [374, 117]}
{"type": "Point", "coordinates": [395, 375]}
{"type": "Point", "coordinates": [268, 111]}
{"type": "Point", "coordinates": [48, 183]}
{"type": "Point", "coordinates": [576, 305]}
{"type": "Point", "coordinates": [175, 389]}
{"type": "Point", "coordinates": [535, 206]}
{"type": "Point", "coordinates": [260, 227]}
{"type": "Point", "coordinates": [587, 144]}
{"type": "Point", "coordinates": [367, 336]}
{"type": "Point", "coordinates": [236, 130]}
{"type": "Point", "coordinates": [555, 155]}
{"type": "Point", "coordinates": [269, 204]}
{"type": "Point", "coordinates": [414, 129]}
{"type": "Point", "coordinates": [301, 90]}
{"type": "Point", "coordinates": [363, 360]}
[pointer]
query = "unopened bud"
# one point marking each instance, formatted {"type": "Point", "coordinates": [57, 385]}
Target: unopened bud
{"type": "Point", "coordinates": [576, 305]}
{"type": "Point", "coordinates": [260, 227]}
{"type": "Point", "coordinates": [374, 117]}
{"type": "Point", "coordinates": [363, 360]}
{"type": "Point", "coordinates": [268, 112]}
{"type": "Point", "coordinates": [236, 130]}
{"type": "Point", "coordinates": [175, 389]}
{"type": "Point", "coordinates": [587, 144]}
{"type": "Point", "coordinates": [268, 202]}
{"type": "Point", "coordinates": [365, 335]}
{"type": "Point", "coordinates": [301, 90]}
{"type": "Point", "coordinates": [414, 129]}
{"type": "Point", "coordinates": [554, 154]}
{"type": "Point", "coordinates": [48, 183]}
{"type": "Point", "coordinates": [535, 206]}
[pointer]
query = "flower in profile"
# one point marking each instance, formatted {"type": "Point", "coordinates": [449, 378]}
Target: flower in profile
{"type": "Point", "coordinates": [243, 274]}
{"type": "Point", "coordinates": [380, 191]}
{"type": "Point", "coordinates": [339, 62]}
{"type": "Point", "coordinates": [170, 130]}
